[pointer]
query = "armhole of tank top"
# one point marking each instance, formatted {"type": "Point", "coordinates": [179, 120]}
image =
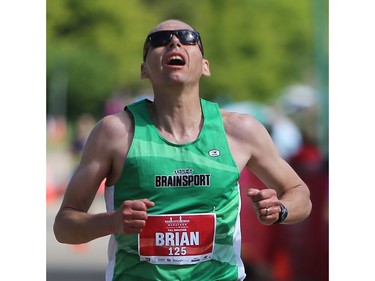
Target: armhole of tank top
{"type": "Point", "coordinates": [217, 108]}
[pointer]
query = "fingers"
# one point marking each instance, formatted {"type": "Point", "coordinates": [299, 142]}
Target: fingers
{"type": "Point", "coordinates": [148, 203]}
{"type": "Point", "coordinates": [253, 193]}
{"type": "Point", "coordinates": [266, 204]}
{"type": "Point", "coordinates": [269, 212]}
{"type": "Point", "coordinates": [263, 198]}
{"type": "Point", "coordinates": [134, 215]}
{"type": "Point", "coordinates": [138, 205]}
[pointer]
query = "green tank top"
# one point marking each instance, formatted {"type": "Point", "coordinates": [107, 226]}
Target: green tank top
{"type": "Point", "coordinates": [200, 177]}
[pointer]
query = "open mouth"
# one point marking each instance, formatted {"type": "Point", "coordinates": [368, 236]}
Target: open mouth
{"type": "Point", "coordinates": [176, 60]}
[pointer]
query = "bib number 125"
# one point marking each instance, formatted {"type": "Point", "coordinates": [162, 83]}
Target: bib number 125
{"type": "Point", "coordinates": [177, 251]}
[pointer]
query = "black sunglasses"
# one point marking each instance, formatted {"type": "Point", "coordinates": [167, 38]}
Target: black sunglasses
{"type": "Point", "coordinates": [162, 38]}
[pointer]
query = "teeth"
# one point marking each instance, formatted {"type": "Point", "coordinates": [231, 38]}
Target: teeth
{"type": "Point", "coordinates": [176, 58]}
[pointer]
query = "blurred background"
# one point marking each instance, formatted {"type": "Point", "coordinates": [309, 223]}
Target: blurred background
{"type": "Point", "coordinates": [267, 58]}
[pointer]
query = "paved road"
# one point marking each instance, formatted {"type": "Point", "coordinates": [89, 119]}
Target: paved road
{"type": "Point", "coordinates": [75, 263]}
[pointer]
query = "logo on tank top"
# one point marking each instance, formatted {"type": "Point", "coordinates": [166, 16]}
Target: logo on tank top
{"type": "Point", "coordinates": [214, 152]}
{"type": "Point", "coordinates": [182, 178]}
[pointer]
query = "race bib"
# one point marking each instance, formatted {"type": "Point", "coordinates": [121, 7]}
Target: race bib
{"type": "Point", "coordinates": [177, 239]}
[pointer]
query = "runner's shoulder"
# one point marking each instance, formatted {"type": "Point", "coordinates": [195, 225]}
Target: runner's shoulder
{"type": "Point", "coordinates": [115, 125]}
{"type": "Point", "coordinates": [240, 124]}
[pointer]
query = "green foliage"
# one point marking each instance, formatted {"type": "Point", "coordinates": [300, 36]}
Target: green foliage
{"type": "Point", "coordinates": [255, 47]}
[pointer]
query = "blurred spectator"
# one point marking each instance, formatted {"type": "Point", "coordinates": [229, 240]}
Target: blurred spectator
{"type": "Point", "coordinates": [56, 129]}
{"type": "Point", "coordinates": [296, 252]}
{"type": "Point", "coordinates": [255, 236]}
{"type": "Point", "coordinates": [117, 102]}
{"type": "Point", "coordinates": [265, 254]}
{"type": "Point", "coordinates": [57, 164]}
{"type": "Point", "coordinates": [309, 157]}
{"type": "Point", "coordinates": [286, 136]}
{"type": "Point", "coordinates": [310, 254]}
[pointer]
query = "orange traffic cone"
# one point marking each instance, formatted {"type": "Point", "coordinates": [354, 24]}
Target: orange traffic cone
{"type": "Point", "coordinates": [80, 248]}
{"type": "Point", "coordinates": [51, 193]}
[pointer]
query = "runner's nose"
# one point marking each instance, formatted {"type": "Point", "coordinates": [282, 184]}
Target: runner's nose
{"type": "Point", "coordinates": [174, 42]}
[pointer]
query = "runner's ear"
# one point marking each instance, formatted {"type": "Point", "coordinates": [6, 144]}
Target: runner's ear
{"type": "Point", "coordinates": [144, 74]}
{"type": "Point", "coordinates": [206, 68]}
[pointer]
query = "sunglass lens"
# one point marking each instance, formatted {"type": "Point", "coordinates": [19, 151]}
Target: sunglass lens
{"type": "Point", "coordinates": [160, 38]}
{"type": "Point", "coordinates": [187, 37]}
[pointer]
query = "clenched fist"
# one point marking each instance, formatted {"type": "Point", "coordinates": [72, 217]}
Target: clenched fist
{"type": "Point", "coordinates": [266, 204]}
{"type": "Point", "coordinates": [132, 216]}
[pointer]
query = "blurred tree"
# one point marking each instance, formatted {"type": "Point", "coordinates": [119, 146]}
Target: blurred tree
{"type": "Point", "coordinates": [96, 47]}
{"type": "Point", "coordinates": [255, 48]}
